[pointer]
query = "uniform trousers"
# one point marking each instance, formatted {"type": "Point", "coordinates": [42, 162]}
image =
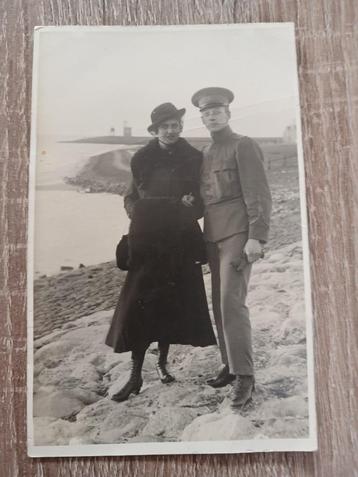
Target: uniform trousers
{"type": "Point", "coordinates": [229, 291]}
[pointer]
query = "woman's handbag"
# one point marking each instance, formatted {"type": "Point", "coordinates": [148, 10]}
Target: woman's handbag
{"type": "Point", "coordinates": [122, 253]}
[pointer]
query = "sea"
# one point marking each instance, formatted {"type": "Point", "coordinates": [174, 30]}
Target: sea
{"type": "Point", "coordinates": [71, 227]}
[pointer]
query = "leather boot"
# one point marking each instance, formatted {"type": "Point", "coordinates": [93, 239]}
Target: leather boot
{"type": "Point", "coordinates": [242, 391]}
{"type": "Point", "coordinates": [135, 381]}
{"type": "Point", "coordinates": [163, 374]}
{"type": "Point", "coordinates": [222, 379]}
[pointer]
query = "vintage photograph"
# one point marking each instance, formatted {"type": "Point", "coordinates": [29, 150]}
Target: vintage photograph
{"type": "Point", "coordinates": [168, 263]}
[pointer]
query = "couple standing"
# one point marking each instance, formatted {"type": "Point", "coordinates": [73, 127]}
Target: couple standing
{"type": "Point", "coordinates": [163, 298]}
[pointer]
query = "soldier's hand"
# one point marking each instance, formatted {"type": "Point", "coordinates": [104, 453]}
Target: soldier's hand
{"type": "Point", "coordinates": [253, 250]}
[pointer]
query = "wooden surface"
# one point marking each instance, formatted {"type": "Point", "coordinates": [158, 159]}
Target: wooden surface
{"type": "Point", "coordinates": [328, 75]}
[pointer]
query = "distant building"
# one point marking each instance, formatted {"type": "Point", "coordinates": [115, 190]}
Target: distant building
{"type": "Point", "coordinates": [290, 134]}
{"type": "Point", "coordinates": [127, 130]}
{"type": "Point", "coordinates": [112, 131]}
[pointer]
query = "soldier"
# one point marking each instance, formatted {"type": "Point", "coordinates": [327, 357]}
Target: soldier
{"type": "Point", "coordinates": [237, 204]}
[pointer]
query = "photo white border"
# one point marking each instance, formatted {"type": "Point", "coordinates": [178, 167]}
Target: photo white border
{"type": "Point", "coordinates": [164, 448]}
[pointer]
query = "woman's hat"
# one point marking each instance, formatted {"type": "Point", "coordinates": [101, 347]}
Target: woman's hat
{"type": "Point", "coordinates": [163, 112]}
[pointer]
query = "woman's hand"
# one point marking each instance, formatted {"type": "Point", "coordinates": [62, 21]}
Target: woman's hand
{"type": "Point", "coordinates": [188, 200]}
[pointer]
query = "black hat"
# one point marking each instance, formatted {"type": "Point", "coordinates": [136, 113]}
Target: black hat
{"type": "Point", "coordinates": [211, 97]}
{"type": "Point", "coordinates": [163, 112]}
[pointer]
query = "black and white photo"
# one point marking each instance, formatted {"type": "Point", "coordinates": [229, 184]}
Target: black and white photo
{"type": "Point", "coordinates": [168, 265]}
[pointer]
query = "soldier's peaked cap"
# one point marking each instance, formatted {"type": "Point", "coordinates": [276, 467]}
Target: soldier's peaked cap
{"type": "Point", "coordinates": [212, 97]}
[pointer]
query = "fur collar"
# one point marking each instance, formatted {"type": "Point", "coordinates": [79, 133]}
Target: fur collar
{"type": "Point", "coordinates": [152, 155]}
{"type": "Point", "coordinates": [180, 149]}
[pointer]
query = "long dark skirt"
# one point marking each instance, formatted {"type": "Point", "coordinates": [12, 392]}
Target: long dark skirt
{"type": "Point", "coordinates": [157, 305]}
{"type": "Point", "coordinates": [163, 297]}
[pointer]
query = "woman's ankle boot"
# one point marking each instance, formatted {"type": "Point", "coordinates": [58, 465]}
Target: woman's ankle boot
{"type": "Point", "coordinates": [135, 381]}
{"type": "Point", "coordinates": [163, 374]}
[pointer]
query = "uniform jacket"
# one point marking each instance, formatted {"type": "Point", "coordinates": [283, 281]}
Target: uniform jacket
{"type": "Point", "coordinates": [234, 188]}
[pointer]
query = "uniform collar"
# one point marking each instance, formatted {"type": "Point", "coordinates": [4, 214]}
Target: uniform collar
{"type": "Point", "coordinates": [222, 135]}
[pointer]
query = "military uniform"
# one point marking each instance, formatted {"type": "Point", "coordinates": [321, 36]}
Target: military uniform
{"type": "Point", "coordinates": [237, 202]}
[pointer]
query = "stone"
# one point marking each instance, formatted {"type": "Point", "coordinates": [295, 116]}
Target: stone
{"type": "Point", "coordinates": [290, 407]}
{"type": "Point", "coordinates": [49, 430]}
{"type": "Point", "coordinates": [216, 426]}
{"type": "Point", "coordinates": [169, 421]}
{"type": "Point", "coordinates": [56, 404]}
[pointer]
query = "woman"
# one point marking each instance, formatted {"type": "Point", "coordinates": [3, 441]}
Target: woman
{"type": "Point", "coordinates": [163, 298]}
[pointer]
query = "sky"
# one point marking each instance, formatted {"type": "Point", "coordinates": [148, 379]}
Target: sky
{"type": "Point", "coordinates": [90, 79]}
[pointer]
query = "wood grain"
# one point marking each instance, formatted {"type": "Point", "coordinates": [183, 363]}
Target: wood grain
{"type": "Point", "coordinates": [328, 77]}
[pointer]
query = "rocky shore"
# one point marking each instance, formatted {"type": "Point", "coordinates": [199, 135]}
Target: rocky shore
{"type": "Point", "coordinates": [107, 172]}
{"type": "Point", "coordinates": [75, 373]}
{"type": "Point", "coordinates": [62, 298]}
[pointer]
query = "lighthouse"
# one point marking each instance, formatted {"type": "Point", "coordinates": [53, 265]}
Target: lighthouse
{"type": "Point", "coordinates": [127, 130]}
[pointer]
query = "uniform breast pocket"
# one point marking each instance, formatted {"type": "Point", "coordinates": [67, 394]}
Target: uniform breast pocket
{"type": "Point", "coordinates": [226, 182]}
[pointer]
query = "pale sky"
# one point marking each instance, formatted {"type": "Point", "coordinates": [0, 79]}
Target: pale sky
{"type": "Point", "coordinates": [91, 79]}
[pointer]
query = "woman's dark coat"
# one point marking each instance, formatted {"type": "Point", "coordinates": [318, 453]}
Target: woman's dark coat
{"type": "Point", "coordinates": [163, 297]}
